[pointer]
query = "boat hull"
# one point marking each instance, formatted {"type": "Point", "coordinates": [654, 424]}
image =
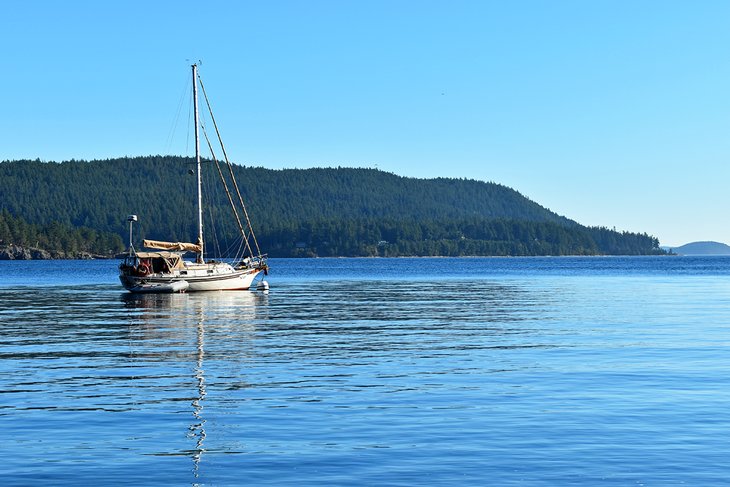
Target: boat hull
{"type": "Point", "coordinates": [203, 278]}
{"type": "Point", "coordinates": [164, 288]}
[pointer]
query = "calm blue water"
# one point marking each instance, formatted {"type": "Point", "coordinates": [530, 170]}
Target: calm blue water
{"type": "Point", "coordinates": [504, 371]}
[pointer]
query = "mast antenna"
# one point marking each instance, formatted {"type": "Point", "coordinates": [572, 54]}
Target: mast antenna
{"type": "Point", "coordinates": [131, 219]}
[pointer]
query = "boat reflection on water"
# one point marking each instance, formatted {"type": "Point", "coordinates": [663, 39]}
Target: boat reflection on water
{"type": "Point", "coordinates": [175, 315]}
{"type": "Point", "coordinates": [218, 303]}
{"type": "Point", "coordinates": [218, 323]}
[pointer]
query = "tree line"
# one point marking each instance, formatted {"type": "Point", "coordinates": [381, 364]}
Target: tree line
{"type": "Point", "coordinates": [57, 237]}
{"type": "Point", "coordinates": [295, 212]}
{"type": "Point", "coordinates": [461, 237]}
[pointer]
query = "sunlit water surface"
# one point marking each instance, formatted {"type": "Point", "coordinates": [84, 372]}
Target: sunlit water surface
{"type": "Point", "coordinates": [552, 371]}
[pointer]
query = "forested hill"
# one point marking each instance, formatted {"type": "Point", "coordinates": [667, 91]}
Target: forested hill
{"type": "Point", "coordinates": [703, 248]}
{"type": "Point", "coordinates": [326, 211]}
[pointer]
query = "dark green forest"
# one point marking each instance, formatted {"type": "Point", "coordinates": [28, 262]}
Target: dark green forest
{"type": "Point", "coordinates": [55, 236]}
{"type": "Point", "coordinates": [295, 212]}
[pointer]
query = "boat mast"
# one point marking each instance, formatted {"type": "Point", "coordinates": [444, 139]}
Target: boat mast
{"type": "Point", "coordinates": [197, 161]}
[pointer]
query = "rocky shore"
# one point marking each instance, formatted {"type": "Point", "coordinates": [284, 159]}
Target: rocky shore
{"type": "Point", "coordinates": [16, 252]}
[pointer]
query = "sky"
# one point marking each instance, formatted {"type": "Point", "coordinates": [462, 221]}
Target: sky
{"type": "Point", "coordinates": [612, 113]}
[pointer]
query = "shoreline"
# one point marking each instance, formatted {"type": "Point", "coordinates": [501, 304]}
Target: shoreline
{"type": "Point", "coordinates": [17, 252]}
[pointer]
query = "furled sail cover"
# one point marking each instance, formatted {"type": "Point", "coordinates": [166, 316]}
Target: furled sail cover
{"type": "Point", "coordinates": [154, 244]}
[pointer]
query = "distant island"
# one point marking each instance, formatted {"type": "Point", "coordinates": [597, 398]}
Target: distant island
{"type": "Point", "coordinates": [702, 248]}
{"type": "Point", "coordinates": [78, 208]}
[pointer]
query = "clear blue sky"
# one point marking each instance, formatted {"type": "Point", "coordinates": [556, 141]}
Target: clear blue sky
{"type": "Point", "coordinates": [613, 113]}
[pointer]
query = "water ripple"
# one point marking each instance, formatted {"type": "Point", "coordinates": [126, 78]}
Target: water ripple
{"type": "Point", "coordinates": [557, 380]}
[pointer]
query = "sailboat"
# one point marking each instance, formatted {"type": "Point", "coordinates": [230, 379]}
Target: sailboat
{"type": "Point", "coordinates": [161, 268]}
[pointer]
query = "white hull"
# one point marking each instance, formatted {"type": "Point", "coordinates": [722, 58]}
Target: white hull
{"type": "Point", "coordinates": [165, 288]}
{"type": "Point", "coordinates": [199, 277]}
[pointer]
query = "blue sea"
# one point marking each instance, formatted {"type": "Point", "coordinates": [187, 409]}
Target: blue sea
{"type": "Point", "coordinates": [387, 372]}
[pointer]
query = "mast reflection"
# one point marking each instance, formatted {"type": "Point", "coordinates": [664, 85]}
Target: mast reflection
{"type": "Point", "coordinates": [197, 430]}
{"type": "Point", "coordinates": [219, 320]}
